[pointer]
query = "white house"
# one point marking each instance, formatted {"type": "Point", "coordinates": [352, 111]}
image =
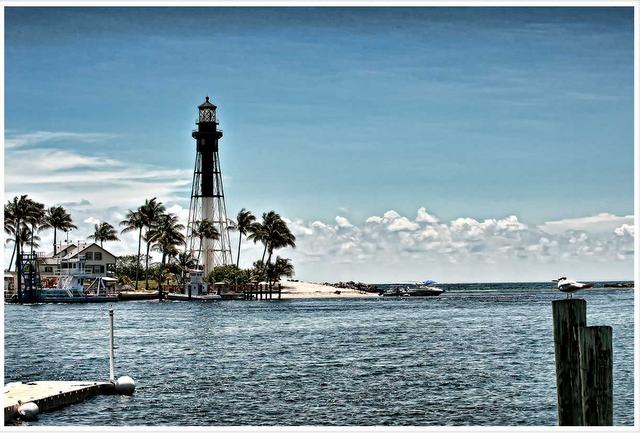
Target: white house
{"type": "Point", "coordinates": [90, 258]}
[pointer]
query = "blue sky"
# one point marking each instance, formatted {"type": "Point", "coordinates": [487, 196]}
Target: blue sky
{"type": "Point", "coordinates": [477, 113]}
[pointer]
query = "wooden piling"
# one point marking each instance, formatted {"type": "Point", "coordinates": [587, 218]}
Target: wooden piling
{"type": "Point", "coordinates": [279, 291]}
{"type": "Point", "coordinates": [596, 375]}
{"type": "Point", "coordinates": [568, 316]}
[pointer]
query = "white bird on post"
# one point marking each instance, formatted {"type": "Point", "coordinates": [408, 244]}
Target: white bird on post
{"type": "Point", "coordinates": [569, 286]}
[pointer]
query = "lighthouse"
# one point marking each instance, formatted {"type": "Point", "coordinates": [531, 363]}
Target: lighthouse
{"type": "Point", "coordinates": [207, 194]}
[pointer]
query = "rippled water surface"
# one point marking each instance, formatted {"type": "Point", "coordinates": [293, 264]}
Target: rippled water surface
{"type": "Point", "coordinates": [471, 356]}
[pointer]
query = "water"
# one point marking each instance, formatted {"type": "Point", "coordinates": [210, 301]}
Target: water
{"type": "Point", "coordinates": [472, 356]}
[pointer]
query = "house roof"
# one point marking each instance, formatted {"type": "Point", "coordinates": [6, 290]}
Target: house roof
{"type": "Point", "coordinates": [64, 249]}
{"type": "Point", "coordinates": [75, 253]}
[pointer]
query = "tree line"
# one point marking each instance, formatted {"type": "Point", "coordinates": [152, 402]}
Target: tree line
{"type": "Point", "coordinates": [162, 232]}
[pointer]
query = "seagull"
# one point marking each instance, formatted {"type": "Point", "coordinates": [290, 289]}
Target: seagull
{"type": "Point", "coordinates": [570, 286]}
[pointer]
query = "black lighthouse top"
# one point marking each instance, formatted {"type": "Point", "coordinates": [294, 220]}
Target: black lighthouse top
{"type": "Point", "coordinates": [207, 112]}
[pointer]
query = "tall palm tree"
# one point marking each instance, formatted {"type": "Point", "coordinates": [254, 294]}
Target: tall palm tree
{"type": "Point", "coordinates": [205, 229]}
{"type": "Point", "coordinates": [274, 233]}
{"type": "Point", "coordinates": [134, 221]}
{"type": "Point", "coordinates": [166, 235]}
{"type": "Point", "coordinates": [57, 218]}
{"type": "Point", "coordinates": [36, 220]}
{"type": "Point", "coordinates": [104, 232]}
{"type": "Point", "coordinates": [10, 229]}
{"type": "Point", "coordinates": [243, 224]}
{"type": "Point", "coordinates": [150, 212]}
{"type": "Point", "coordinates": [21, 212]}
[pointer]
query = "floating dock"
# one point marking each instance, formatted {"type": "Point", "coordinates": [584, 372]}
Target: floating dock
{"type": "Point", "coordinates": [50, 395]}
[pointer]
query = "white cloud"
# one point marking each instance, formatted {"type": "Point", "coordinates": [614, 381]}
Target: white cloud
{"type": "Point", "coordinates": [374, 220]}
{"type": "Point", "coordinates": [92, 220]}
{"type": "Point", "coordinates": [343, 222]}
{"type": "Point", "coordinates": [424, 216]}
{"type": "Point", "coordinates": [391, 214]}
{"type": "Point", "coordinates": [624, 230]}
{"type": "Point", "coordinates": [401, 224]}
{"type": "Point", "coordinates": [602, 223]}
{"type": "Point", "coordinates": [14, 140]}
{"type": "Point", "coordinates": [490, 249]}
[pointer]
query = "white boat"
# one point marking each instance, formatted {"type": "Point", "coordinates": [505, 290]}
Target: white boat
{"type": "Point", "coordinates": [194, 290]}
{"type": "Point", "coordinates": [414, 289]}
{"type": "Point", "coordinates": [72, 288]}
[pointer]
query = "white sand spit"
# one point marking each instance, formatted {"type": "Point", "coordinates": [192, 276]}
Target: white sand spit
{"type": "Point", "coordinates": [303, 289]}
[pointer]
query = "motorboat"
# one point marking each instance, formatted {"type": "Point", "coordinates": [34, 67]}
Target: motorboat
{"type": "Point", "coordinates": [71, 289]}
{"type": "Point", "coordinates": [413, 289]}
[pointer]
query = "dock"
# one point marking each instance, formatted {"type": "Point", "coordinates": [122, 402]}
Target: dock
{"type": "Point", "coordinates": [50, 395]}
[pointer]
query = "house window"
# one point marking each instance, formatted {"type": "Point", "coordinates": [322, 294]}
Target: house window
{"type": "Point", "coordinates": [65, 265]}
{"type": "Point", "coordinates": [89, 255]}
{"type": "Point", "coordinates": [48, 269]}
{"type": "Point", "coordinates": [101, 269]}
{"type": "Point", "coordinates": [98, 256]}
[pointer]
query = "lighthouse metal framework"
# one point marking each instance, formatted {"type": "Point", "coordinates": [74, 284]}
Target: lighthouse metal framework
{"type": "Point", "coordinates": [207, 194]}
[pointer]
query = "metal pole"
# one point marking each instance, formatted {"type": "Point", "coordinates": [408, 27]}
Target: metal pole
{"type": "Point", "coordinates": [111, 375]}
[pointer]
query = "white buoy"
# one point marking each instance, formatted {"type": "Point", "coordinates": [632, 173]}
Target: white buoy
{"type": "Point", "coordinates": [125, 385]}
{"type": "Point", "coordinates": [28, 411]}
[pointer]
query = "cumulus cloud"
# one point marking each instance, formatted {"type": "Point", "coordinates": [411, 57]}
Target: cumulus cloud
{"type": "Point", "coordinates": [92, 220]}
{"type": "Point", "coordinates": [402, 224]}
{"type": "Point", "coordinates": [424, 216]}
{"type": "Point", "coordinates": [624, 230]}
{"type": "Point", "coordinates": [383, 244]}
{"type": "Point", "coordinates": [343, 222]}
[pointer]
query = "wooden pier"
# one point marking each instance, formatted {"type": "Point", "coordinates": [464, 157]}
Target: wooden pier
{"type": "Point", "coordinates": [50, 395]}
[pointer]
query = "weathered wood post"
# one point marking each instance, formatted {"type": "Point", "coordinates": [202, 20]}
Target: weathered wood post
{"type": "Point", "coordinates": [596, 375]}
{"type": "Point", "coordinates": [279, 291]}
{"type": "Point", "coordinates": [568, 316]}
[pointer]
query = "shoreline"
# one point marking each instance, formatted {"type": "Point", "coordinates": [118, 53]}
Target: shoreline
{"type": "Point", "coordinates": [303, 289]}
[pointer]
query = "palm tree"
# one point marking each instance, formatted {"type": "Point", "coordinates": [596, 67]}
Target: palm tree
{"type": "Point", "coordinates": [21, 210]}
{"type": "Point", "coordinates": [273, 233]}
{"type": "Point", "coordinates": [243, 225]}
{"type": "Point", "coordinates": [205, 229]}
{"type": "Point", "coordinates": [57, 218]}
{"type": "Point", "coordinates": [184, 261]}
{"type": "Point", "coordinates": [150, 212]}
{"type": "Point", "coordinates": [104, 232]}
{"type": "Point", "coordinates": [36, 220]}
{"type": "Point", "coordinates": [10, 229]}
{"type": "Point", "coordinates": [280, 268]}
{"type": "Point", "coordinates": [134, 221]}
{"type": "Point", "coordinates": [27, 234]}
{"type": "Point", "coordinates": [166, 235]}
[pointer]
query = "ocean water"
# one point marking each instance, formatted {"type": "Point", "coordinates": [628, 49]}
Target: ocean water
{"type": "Point", "coordinates": [476, 355]}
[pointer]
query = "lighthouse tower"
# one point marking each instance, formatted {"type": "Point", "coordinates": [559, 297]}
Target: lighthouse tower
{"type": "Point", "coordinates": [207, 194]}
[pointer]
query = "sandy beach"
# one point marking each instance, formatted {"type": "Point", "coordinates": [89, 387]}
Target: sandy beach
{"type": "Point", "coordinates": [303, 289]}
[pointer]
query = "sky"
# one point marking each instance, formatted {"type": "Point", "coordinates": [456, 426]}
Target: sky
{"type": "Point", "coordinates": [457, 144]}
